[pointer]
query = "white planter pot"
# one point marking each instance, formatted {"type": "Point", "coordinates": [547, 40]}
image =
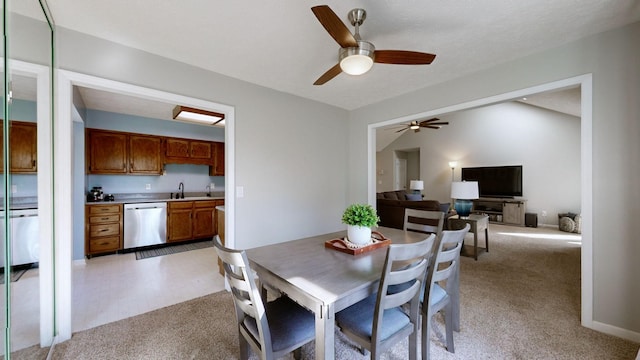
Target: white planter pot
{"type": "Point", "coordinates": [358, 234]}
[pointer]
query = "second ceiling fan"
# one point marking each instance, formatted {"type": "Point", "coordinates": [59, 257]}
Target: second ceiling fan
{"type": "Point", "coordinates": [356, 56]}
{"type": "Point", "coordinates": [432, 123]}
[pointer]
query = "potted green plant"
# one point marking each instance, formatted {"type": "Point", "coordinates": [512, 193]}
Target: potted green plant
{"type": "Point", "coordinates": [360, 218]}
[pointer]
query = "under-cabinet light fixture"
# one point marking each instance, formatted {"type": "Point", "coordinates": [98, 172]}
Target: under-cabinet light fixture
{"type": "Point", "coordinates": [204, 117]}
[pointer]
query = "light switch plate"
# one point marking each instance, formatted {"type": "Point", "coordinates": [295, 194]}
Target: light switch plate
{"type": "Point", "coordinates": [14, 189]}
{"type": "Point", "coordinates": [147, 186]}
{"type": "Point", "coordinates": [239, 191]}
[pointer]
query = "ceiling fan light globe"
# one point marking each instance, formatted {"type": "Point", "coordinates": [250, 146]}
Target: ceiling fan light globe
{"type": "Point", "coordinates": [414, 127]}
{"type": "Point", "coordinates": [356, 64]}
{"type": "Point", "coordinates": [357, 60]}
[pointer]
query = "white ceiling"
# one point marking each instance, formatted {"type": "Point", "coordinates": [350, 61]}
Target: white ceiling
{"type": "Point", "coordinates": [281, 45]}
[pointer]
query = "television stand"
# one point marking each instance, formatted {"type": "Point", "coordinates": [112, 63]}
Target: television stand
{"type": "Point", "coordinates": [508, 211]}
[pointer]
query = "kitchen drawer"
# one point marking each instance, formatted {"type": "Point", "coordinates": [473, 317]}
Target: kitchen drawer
{"type": "Point", "coordinates": [111, 243]}
{"type": "Point", "coordinates": [103, 209]}
{"type": "Point", "coordinates": [107, 218]}
{"type": "Point", "coordinates": [180, 204]}
{"type": "Point", "coordinates": [204, 204]}
{"type": "Point", "coordinates": [104, 230]}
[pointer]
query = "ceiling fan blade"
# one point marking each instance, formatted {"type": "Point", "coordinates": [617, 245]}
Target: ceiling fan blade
{"type": "Point", "coordinates": [330, 74]}
{"type": "Point", "coordinates": [402, 57]}
{"type": "Point", "coordinates": [431, 126]}
{"type": "Point", "coordinates": [401, 130]}
{"type": "Point", "coordinates": [435, 123]}
{"type": "Point", "coordinates": [334, 26]}
{"type": "Point", "coordinates": [429, 120]}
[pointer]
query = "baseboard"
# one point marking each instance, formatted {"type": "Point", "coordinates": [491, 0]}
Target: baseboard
{"type": "Point", "coordinates": [79, 262]}
{"type": "Point", "coordinates": [616, 331]}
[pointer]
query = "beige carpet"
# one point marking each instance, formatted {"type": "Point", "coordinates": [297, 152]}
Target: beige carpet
{"type": "Point", "coordinates": [519, 301]}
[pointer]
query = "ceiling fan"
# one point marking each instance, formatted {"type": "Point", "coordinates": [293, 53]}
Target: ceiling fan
{"type": "Point", "coordinates": [429, 124]}
{"type": "Point", "coordinates": [357, 56]}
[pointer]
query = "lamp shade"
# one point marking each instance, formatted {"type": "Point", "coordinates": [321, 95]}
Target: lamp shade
{"type": "Point", "coordinates": [466, 190]}
{"type": "Point", "coordinates": [416, 185]}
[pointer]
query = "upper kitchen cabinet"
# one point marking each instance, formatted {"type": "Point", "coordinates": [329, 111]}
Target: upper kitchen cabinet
{"type": "Point", "coordinates": [145, 154]}
{"type": "Point", "coordinates": [113, 152]}
{"type": "Point", "coordinates": [186, 151]}
{"type": "Point", "coordinates": [22, 147]}
{"type": "Point", "coordinates": [217, 169]}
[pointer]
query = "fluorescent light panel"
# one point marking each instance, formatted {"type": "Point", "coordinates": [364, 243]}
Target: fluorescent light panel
{"type": "Point", "coordinates": [184, 113]}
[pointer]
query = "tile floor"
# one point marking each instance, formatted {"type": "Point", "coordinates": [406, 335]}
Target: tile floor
{"type": "Point", "coordinates": [114, 287]}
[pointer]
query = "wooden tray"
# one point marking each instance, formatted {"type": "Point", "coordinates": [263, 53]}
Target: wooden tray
{"type": "Point", "coordinates": [339, 244]}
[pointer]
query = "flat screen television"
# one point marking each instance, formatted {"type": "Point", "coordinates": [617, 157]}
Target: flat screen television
{"type": "Point", "coordinates": [496, 181]}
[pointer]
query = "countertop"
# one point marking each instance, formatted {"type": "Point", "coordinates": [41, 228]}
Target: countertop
{"type": "Point", "coordinates": [22, 203]}
{"type": "Point", "coordinates": [156, 197]}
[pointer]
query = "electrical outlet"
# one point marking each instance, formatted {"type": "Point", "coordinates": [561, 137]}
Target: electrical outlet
{"type": "Point", "coordinates": [14, 189]}
{"type": "Point", "coordinates": [147, 186]}
{"type": "Point", "coordinates": [544, 213]}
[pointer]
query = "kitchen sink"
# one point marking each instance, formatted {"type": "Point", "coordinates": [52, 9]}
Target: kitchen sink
{"type": "Point", "coordinates": [193, 198]}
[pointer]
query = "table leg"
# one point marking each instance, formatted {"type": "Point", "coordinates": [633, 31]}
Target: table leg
{"type": "Point", "coordinates": [325, 333]}
{"type": "Point", "coordinates": [486, 238]}
{"type": "Point", "coordinates": [475, 245]}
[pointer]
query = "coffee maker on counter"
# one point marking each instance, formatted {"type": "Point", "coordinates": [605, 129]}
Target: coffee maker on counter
{"type": "Point", "coordinates": [95, 194]}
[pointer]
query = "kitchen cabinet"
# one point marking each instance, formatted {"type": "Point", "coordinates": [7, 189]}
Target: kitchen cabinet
{"type": "Point", "coordinates": [23, 139]}
{"type": "Point", "coordinates": [145, 154]}
{"type": "Point", "coordinates": [103, 228]}
{"type": "Point", "coordinates": [113, 152]}
{"type": "Point", "coordinates": [217, 169]}
{"type": "Point", "coordinates": [221, 234]}
{"type": "Point", "coordinates": [190, 220]}
{"type": "Point", "coordinates": [179, 221]}
{"type": "Point", "coordinates": [106, 152]}
{"type": "Point", "coordinates": [204, 224]}
{"type": "Point", "coordinates": [186, 151]}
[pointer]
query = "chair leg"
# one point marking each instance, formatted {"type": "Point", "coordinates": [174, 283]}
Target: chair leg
{"type": "Point", "coordinates": [455, 300]}
{"type": "Point", "coordinates": [244, 348]}
{"type": "Point", "coordinates": [426, 334]}
{"type": "Point", "coordinates": [413, 345]}
{"type": "Point", "coordinates": [448, 323]}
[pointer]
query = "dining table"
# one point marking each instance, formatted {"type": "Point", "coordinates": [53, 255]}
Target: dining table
{"type": "Point", "coordinates": [324, 279]}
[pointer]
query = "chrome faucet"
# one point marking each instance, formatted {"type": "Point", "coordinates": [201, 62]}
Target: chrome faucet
{"type": "Point", "coordinates": [208, 190]}
{"type": "Point", "coordinates": [181, 189]}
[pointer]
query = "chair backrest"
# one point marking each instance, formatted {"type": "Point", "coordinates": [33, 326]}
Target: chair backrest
{"type": "Point", "coordinates": [246, 295]}
{"type": "Point", "coordinates": [446, 261]}
{"type": "Point", "coordinates": [426, 221]}
{"type": "Point", "coordinates": [404, 264]}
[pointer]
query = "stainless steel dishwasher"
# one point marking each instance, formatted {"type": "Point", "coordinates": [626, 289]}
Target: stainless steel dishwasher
{"type": "Point", "coordinates": [145, 224]}
{"type": "Point", "coordinates": [25, 243]}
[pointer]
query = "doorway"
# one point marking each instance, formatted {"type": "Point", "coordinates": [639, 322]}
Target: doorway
{"type": "Point", "coordinates": [64, 150]}
{"type": "Point", "coordinates": [585, 84]}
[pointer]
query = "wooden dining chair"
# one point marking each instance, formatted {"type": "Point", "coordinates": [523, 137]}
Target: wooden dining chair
{"type": "Point", "coordinates": [442, 290]}
{"type": "Point", "coordinates": [426, 221]}
{"type": "Point", "coordinates": [271, 329]}
{"type": "Point", "coordinates": [379, 321]}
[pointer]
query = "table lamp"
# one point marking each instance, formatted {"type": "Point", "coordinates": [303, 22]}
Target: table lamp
{"type": "Point", "coordinates": [417, 186]}
{"type": "Point", "coordinates": [463, 192]}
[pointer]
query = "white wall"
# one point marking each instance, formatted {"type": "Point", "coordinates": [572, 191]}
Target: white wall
{"type": "Point", "coordinates": [612, 58]}
{"type": "Point", "coordinates": [545, 142]}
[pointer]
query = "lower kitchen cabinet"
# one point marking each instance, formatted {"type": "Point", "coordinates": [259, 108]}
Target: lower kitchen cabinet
{"type": "Point", "coordinates": [103, 228]}
{"type": "Point", "coordinates": [204, 224]}
{"type": "Point", "coordinates": [179, 221]}
{"type": "Point", "coordinates": [190, 220]}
